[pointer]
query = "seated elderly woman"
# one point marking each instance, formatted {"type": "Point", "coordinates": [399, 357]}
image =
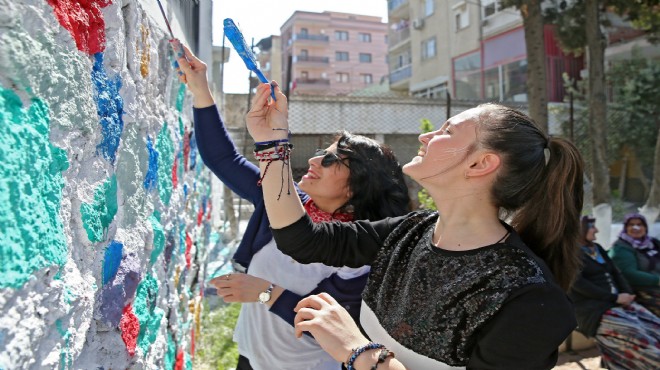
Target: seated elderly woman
{"type": "Point", "coordinates": [626, 333]}
{"type": "Point", "coordinates": [637, 255]}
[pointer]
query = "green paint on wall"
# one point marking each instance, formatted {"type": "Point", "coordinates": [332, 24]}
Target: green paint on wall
{"type": "Point", "coordinates": [170, 356]}
{"type": "Point", "coordinates": [148, 314]}
{"type": "Point", "coordinates": [98, 215]}
{"type": "Point", "coordinates": [165, 148]}
{"type": "Point", "coordinates": [180, 96]}
{"type": "Point", "coordinates": [159, 238]}
{"type": "Point", "coordinates": [188, 361]}
{"type": "Point", "coordinates": [31, 183]}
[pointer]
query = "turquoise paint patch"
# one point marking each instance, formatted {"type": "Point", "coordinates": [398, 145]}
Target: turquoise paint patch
{"type": "Point", "coordinates": [110, 108]}
{"type": "Point", "coordinates": [65, 357]}
{"type": "Point", "coordinates": [188, 361]}
{"type": "Point", "coordinates": [31, 182]}
{"type": "Point", "coordinates": [159, 238]}
{"type": "Point", "coordinates": [170, 356]}
{"type": "Point", "coordinates": [111, 260]}
{"type": "Point", "coordinates": [180, 97]}
{"type": "Point", "coordinates": [98, 215]}
{"type": "Point", "coordinates": [149, 315]}
{"type": "Point", "coordinates": [150, 180]}
{"type": "Point", "coordinates": [165, 148]}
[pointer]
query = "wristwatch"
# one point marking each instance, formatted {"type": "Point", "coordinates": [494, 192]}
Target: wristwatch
{"type": "Point", "coordinates": [265, 295]}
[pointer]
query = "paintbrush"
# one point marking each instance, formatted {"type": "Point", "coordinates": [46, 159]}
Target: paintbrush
{"type": "Point", "coordinates": [181, 52]}
{"type": "Point", "coordinates": [236, 38]}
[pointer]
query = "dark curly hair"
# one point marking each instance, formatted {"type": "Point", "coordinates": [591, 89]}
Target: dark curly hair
{"type": "Point", "coordinates": [376, 180]}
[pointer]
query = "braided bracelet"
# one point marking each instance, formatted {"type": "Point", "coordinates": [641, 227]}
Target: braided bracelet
{"type": "Point", "coordinates": [264, 145]}
{"type": "Point", "coordinates": [358, 351]}
{"type": "Point", "coordinates": [384, 354]}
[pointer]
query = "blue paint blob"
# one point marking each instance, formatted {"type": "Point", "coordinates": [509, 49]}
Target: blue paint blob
{"type": "Point", "coordinates": [185, 190]}
{"type": "Point", "coordinates": [151, 180]}
{"type": "Point", "coordinates": [110, 108]}
{"type": "Point", "coordinates": [111, 261]}
{"type": "Point", "coordinates": [120, 290]}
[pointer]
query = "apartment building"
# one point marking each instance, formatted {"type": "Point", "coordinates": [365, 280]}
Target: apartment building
{"type": "Point", "coordinates": [470, 49]}
{"type": "Point", "coordinates": [332, 53]}
{"type": "Point", "coordinates": [270, 57]}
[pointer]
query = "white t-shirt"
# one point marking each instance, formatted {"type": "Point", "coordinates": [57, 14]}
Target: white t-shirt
{"type": "Point", "coordinates": [267, 340]}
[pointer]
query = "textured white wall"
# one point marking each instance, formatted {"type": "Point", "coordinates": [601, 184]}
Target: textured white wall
{"type": "Point", "coordinates": [104, 203]}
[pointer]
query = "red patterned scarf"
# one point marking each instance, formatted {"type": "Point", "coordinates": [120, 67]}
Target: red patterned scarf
{"type": "Point", "coordinates": [319, 215]}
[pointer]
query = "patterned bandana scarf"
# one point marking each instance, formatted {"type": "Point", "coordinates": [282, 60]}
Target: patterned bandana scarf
{"type": "Point", "coordinates": [319, 215]}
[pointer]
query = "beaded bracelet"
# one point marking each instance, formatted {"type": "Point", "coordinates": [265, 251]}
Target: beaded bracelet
{"type": "Point", "coordinates": [384, 354]}
{"type": "Point", "coordinates": [264, 145]}
{"type": "Point", "coordinates": [358, 351]}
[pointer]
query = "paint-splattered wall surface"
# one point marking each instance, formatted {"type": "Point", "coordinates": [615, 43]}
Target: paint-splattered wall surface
{"type": "Point", "coordinates": [101, 247]}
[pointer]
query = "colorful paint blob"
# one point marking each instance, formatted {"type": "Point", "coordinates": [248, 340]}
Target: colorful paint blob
{"type": "Point", "coordinates": [159, 238]}
{"type": "Point", "coordinates": [31, 184]}
{"type": "Point", "coordinates": [147, 312]}
{"type": "Point", "coordinates": [98, 215]}
{"type": "Point", "coordinates": [111, 260]}
{"type": "Point", "coordinates": [110, 108]}
{"type": "Point", "coordinates": [151, 179]}
{"type": "Point", "coordinates": [84, 21]}
{"type": "Point", "coordinates": [165, 148]}
{"type": "Point", "coordinates": [130, 329]}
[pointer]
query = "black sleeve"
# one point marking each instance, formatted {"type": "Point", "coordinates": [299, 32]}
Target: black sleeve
{"type": "Point", "coordinates": [351, 244]}
{"type": "Point", "coordinates": [617, 275]}
{"type": "Point", "coordinates": [526, 332]}
{"type": "Point", "coordinates": [590, 290]}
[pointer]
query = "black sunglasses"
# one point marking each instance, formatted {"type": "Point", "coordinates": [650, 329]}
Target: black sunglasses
{"type": "Point", "coordinates": [329, 158]}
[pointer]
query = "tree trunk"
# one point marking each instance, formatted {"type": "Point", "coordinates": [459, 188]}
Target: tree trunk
{"type": "Point", "coordinates": [652, 206]}
{"type": "Point", "coordinates": [597, 104]}
{"type": "Point", "coordinates": [537, 95]}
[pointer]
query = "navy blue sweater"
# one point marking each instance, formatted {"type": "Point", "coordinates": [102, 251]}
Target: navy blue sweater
{"type": "Point", "coordinates": [221, 156]}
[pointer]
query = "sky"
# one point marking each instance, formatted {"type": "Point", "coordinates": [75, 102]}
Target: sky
{"type": "Point", "coordinates": [260, 18]}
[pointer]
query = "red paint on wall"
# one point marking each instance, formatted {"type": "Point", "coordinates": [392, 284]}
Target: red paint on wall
{"type": "Point", "coordinates": [174, 171]}
{"type": "Point", "coordinates": [188, 248]}
{"type": "Point", "coordinates": [178, 365]}
{"type": "Point", "coordinates": [84, 20]}
{"type": "Point", "coordinates": [200, 216]}
{"type": "Point", "coordinates": [130, 328]}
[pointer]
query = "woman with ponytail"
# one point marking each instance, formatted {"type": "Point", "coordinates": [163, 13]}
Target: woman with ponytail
{"type": "Point", "coordinates": [481, 283]}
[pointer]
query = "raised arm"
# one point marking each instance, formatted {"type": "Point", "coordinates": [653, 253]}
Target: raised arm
{"type": "Point", "coordinates": [267, 121]}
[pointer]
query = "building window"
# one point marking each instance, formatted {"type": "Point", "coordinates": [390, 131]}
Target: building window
{"type": "Point", "coordinates": [342, 77]}
{"type": "Point", "coordinates": [304, 31]}
{"type": "Point", "coordinates": [429, 7]}
{"type": "Point", "coordinates": [467, 76]}
{"type": "Point", "coordinates": [341, 56]}
{"type": "Point", "coordinates": [304, 53]}
{"type": "Point", "coordinates": [428, 48]}
{"type": "Point", "coordinates": [364, 37]}
{"type": "Point", "coordinates": [341, 35]}
{"type": "Point", "coordinates": [304, 75]}
{"type": "Point", "coordinates": [367, 78]}
{"type": "Point", "coordinates": [507, 82]}
{"type": "Point", "coordinates": [365, 58]}
{"type": "Point", "coordinates": [462, 19]}
{"type": "Point", "coordinates": [490, 7]}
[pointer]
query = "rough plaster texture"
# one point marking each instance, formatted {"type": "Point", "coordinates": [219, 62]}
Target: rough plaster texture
{"type": "Point", "coordinates": [104, 207]}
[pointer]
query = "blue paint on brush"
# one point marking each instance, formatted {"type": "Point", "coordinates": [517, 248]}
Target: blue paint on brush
{"type": "Point", "coordinates": [151, 179]}
{"type": "Point", "coordinates": [111, 261]}
{"type": "Point", "coordinates": [110, 108]}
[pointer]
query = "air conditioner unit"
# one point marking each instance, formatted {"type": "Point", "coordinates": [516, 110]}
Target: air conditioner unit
{"type": "Point", "coordinates": [418, 23]}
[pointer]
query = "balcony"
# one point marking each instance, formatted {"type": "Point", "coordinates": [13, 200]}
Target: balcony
{"type": "Point", "coordinates": [309, 37]}
{"type": "Point", "coordinates": [398, 37]}
{"type": "Point", "coordinates": [312, 81]}
{"type": "Point", "coordinates": [307, 59]}
{"type": "Point", "coordinates": [401, 74]}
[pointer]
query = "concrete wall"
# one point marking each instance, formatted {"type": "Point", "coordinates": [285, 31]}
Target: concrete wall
{"type": "Point", "coordinates": [104, 202]}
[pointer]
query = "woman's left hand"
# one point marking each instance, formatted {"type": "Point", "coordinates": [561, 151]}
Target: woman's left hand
{"type": "Point", "coordinates": [330, 324]}
{"type": "Point", "coordinates": [268, 119]}
{"type": "Point", "coordinates": [239, 287]}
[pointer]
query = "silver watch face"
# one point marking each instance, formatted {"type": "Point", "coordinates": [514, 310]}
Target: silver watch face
{"type": "Point", "coordinates": [264, 297]}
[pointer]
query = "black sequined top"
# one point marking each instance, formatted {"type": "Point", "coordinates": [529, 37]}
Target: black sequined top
{"type": "Point", "coordinates": [493, 307]}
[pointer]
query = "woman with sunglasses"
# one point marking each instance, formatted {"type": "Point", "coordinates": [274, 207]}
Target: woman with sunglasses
{"type": "Point", "coordinates": [455, 288]}
{"type": "Point", "coordinates": [354, 178]}
{"type": "Point", "coordinates": [626, 333]}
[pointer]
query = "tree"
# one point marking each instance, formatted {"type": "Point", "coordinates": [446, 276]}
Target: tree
{"type": "Point", "coordinates": [537, 94]}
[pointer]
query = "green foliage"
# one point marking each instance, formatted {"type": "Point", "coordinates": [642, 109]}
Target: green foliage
{"type": "Point", "coordinates": [215, 347]}
{"type": "Point", "coordinates": [425, 200]}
